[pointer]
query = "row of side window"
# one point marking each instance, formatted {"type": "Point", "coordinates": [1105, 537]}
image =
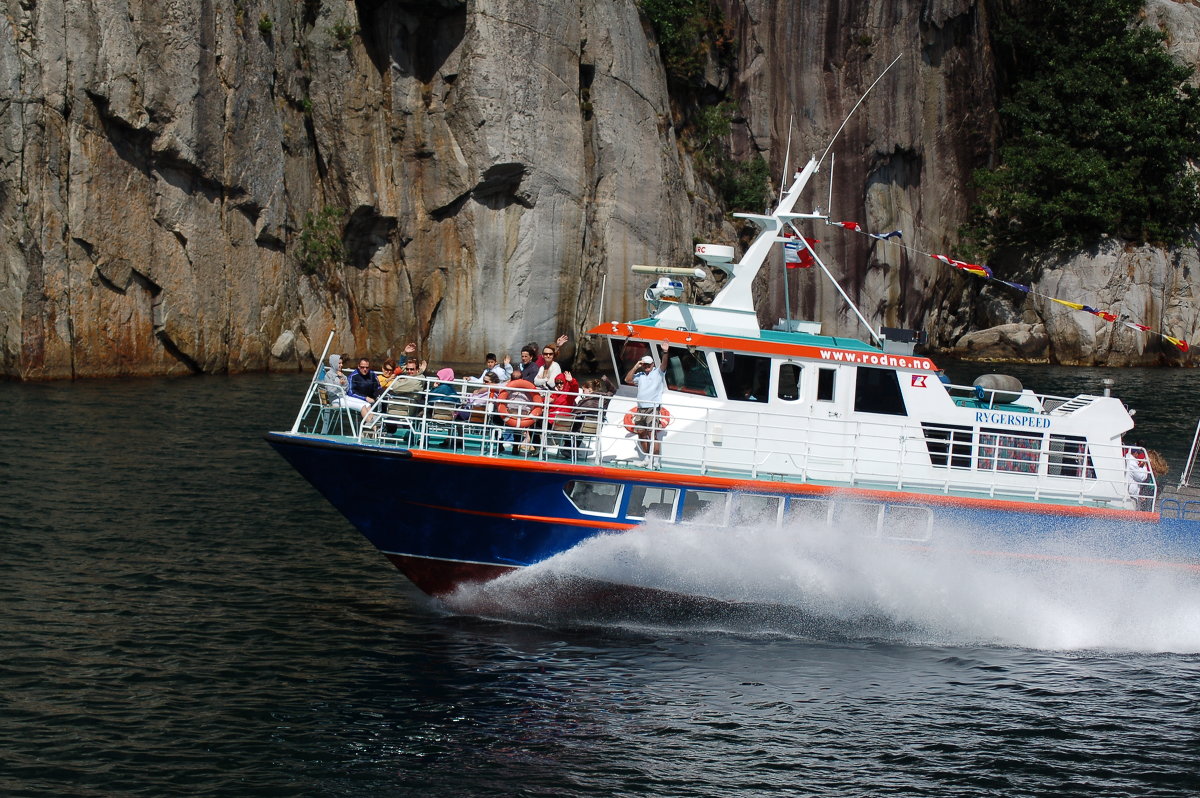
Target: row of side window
{"type": "Point", "coordinates": [722, 508]}
{"type": "Point", "coordinates": [747, 378]}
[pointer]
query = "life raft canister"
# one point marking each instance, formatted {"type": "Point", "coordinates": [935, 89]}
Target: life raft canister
{"type": "Point", "coordinates": [524, 412]}
{"type": "Point", "coordinates": [664, 418]}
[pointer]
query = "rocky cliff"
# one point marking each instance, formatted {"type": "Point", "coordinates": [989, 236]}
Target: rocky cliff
{"type": "Point", "coordinates": [492, 167]}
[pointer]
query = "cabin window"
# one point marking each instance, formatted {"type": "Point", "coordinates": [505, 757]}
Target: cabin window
{"type": "Point", "coordinates": [687, 371]}
{"type": "Point", "coordinates": [857, 517]}
{"type": "Point", "coordinates": [806, 513]}
{"type": "Point", "coordinates": [878, 391]}
{"type": "Point", "coordinates": [594, 498]}
{"type": "Point", "coordinates": [906, 522]}
{"type": "Point", "coordinates": [746, 377]}
{"type": "Point", "coordinates": [826, 379]}
{"type": "Point", "coordinates": [704, 507]}
{"type": "Point", "coordinates": [751, 508]}
{"type": "Point", "coordinates": [1004, 450]}
{"type": "Point", "coordinates": [628, 353]}
{"type": "Point", "coordinates": [789, 381]}
{"type": "Point", "coordinates": [949, 445]}
{"type": "Point", "coordinates": [1069, 457]}
{"type": "Point", "coordinates": [650, 502]}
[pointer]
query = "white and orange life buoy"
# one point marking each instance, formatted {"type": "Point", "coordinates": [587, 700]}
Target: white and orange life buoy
{"type": "Point", "coordinates": [664, 418]}
{"type": "Point", "coordinates": [526, 411]}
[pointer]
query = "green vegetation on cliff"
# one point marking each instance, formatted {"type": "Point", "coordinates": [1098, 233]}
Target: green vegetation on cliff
{"type": "Point", "coordinates": [1099, 125]}
{"type": "Point", "coordinates": [694, 38]}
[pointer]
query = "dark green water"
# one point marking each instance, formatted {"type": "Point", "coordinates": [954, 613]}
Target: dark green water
{"type": "Point", "coordinates": [181, 615]}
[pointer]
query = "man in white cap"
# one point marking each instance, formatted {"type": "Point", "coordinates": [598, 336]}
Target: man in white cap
{"type": "Point", "coordinates": [650, 382]}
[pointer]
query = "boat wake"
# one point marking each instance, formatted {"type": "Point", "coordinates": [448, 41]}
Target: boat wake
{"type": "Point", "coordinates": [834, 583]}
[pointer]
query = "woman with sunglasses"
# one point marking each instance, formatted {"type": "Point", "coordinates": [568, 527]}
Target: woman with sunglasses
{"type": "Point", "coordinates": [549, 369]}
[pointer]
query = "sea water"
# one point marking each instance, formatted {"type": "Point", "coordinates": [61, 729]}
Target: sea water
{"type": "Point", "coordinates": [180, 614]}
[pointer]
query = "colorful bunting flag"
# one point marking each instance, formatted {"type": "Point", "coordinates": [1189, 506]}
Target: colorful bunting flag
{"type": "Point", "coordinates": [985, 272]}
{"type": "Point", "coordinates": [797, 255]}
{"type": "Point", "coordinates": [982, 271]}
{"type": "Point", "coordinates": [1074, 305]}
{"type": "Point", "coordinates": [1018, 286]}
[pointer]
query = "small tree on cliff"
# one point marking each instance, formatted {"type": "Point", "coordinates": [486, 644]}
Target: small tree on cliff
{"type": "Point", "coordinates": [321, 242]}
{"type": "Point", "coordinates": [1100, 125]}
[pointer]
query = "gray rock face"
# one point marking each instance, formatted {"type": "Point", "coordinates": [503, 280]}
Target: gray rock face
{"type": "Point", "coordinates": [904, 161]}
{"type": "Point", "coordinates": [493, 167]}
{"type": "Point", "coordinates": [489, 163]}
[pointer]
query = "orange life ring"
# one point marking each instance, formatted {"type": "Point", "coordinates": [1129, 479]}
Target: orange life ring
{"type": "Point", "coordinates": [514, 418]}
{"type": "Point", "coordinates": [664, 418]}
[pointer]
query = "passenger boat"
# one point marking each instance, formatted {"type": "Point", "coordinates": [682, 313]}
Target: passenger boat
{"type": "Point", "coordinates": [783, 427]}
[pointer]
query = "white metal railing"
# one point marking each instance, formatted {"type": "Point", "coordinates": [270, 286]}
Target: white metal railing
{"type": "Point", "coordinates": [1045, 403]}
{"type": "Point", "coordinates": [740, 439]}
{"type": "Point", "coordinates": [1189, 467]}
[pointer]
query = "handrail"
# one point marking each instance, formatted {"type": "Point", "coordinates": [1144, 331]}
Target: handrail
{"type": "Point", "coordinates": [1188, 467]}
{"type": "Point", "coordinates": [313, 382]}
{"type": "Point", "coordinates": [756, 439]}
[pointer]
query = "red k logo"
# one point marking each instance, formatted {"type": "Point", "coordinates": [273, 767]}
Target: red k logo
{"type": "Point", "coordinates": [918, 380]}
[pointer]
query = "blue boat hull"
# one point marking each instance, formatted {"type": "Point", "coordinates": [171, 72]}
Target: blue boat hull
{"type": "Point", "coordinates": [446, 519]}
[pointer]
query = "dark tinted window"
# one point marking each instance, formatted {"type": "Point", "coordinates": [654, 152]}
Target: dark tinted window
{"type": "Point", "coordinates": [651, 502]}
{"type": "Point", "coordinates": [825, 383]}
{"type": "Point", "coordinates": [948, 444]}
{"type": "Point", "coordinates": [746, 377]}
{"type": "Point", "coordinates": [878, 391]}
{"type": "Point", "coordinates": [1069, 457]}
{"type": "Point", "coordinates": [688, 372]}
{"type": "Point", "coordinates": [789, 381]}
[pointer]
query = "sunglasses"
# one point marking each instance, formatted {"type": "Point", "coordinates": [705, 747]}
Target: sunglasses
{"type": "Point", "coordinates": [547, 354]}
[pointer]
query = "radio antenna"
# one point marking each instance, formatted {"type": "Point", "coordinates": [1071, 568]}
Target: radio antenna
{"type": "Point", "coordinates": [783, 180]}
{"type": "Point", "coordinates": [855, 108]}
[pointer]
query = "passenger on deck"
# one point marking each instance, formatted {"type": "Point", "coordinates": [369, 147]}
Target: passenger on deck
{"type": "Point", "coordinates": [476, 405]}
{"type": "Point", "coordinates": [562, 401]}
{"type": "Point", "coordinates": [1137, 476]}
{"type": "Point", "coordinates": [387, 373]}
{"type": "Point", "coordinates": [550, 370]}
{"type": "Point", "coordinates": [406, 389]}
{"type": "Point", "coordinates": [558, 346]}
{"type": "Point", "coordinates": [364, 386]}
{"type": "Point", "coordinates": [651, 383]}
{"type": "Point", "coordinates": [444, 392]}
{"type": "Point", "coordinates": [529, 366]}
{"type": "Point", "coordinates": [409, 353]}
{"type": "Point", "coordinates": [491, 366]}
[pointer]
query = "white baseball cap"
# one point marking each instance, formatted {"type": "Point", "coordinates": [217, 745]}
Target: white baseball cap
{"type": "Point", "coordinates": [646, 359]}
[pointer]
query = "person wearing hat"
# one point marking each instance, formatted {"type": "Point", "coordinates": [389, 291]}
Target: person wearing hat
{"type": "Point", "coordinates": [651, 382]}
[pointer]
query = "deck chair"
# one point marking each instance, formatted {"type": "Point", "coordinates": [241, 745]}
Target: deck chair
{"type": "Point", "coordinates": [441, 423]}
{"type": "Point", "coordinates": [332, 413]}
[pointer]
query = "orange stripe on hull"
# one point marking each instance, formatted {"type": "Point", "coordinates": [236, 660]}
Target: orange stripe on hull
{"type": "Point", "coordinates": [757, 485]}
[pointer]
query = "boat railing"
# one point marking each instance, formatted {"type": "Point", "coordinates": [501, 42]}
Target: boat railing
{"type": "Point", "coordinates": [1188, 478]}
{"type": "Point", "coordinates": [736, 439]}
{"type": "Point", "coordinates": [1044, 403]}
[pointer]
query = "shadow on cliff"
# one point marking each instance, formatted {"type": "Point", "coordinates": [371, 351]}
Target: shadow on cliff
{"type": "Point", "coordinates": [416, 37]}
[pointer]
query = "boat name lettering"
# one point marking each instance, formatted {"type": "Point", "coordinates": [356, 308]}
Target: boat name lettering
{"type": "Point", "coordinates": [875, 359]}
{"type": "Point", "coordinates": [1017, 419]}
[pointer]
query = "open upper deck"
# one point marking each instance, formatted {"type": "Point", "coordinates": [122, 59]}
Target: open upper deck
{"type": "Point", "coordinates": [752, 444]}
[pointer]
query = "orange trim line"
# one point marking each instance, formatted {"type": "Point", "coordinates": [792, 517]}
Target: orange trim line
{"type": "Point", "coordinates": [758, 486]}
{"type": "Point", "coordinates": [543, 519]}
{"type": "Point", "coordinates": [684, 338]}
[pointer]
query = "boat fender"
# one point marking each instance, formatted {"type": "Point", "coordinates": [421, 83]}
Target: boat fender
{"type": "Point", "coordinates": [999, 388]}
{"type": "Point", "coordinates": [526, 411]}
{"type": "Point", "coordinates": [664, 418]}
